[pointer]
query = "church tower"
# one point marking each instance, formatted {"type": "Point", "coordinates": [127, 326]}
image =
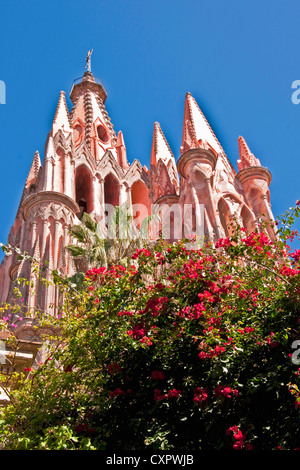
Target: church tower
{"type": "Point", "coordinates": [85, 167]}
{"type": "Point", "coordinates": [208, 180]}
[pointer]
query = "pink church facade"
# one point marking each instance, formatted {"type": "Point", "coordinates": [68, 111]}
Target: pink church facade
{"type": "Point", "coordinates": [85, 167]}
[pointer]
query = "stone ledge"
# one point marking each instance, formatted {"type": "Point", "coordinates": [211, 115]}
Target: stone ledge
{"type": "Point", "coordinates": [47, 197]}
{"type": "Point", "coordinates": [254, 172]}
{"type": "Point", "coordinates": [198, 154]}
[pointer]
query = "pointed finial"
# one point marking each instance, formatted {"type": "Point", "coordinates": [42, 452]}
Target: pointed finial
{"type": "Point", "coordinates": [247, 159]}
{"type": "Point", "coordinates": [160, 147]}
{"type": "Point", "coordinates": [88, 61]}
{"type": "Point", "coordinates": [34, 170]}
{"type": "Point", "coordinates": [120, 140]}
{"type": "Point", "coordinates": [196, 130]}
{"type": "Point", "coordinates": [61, 118]}
{"type": "Point", "coordinates": [121, 151]}
{"type": "Point", "coordinates": [36, 162]}
{"type": "Point", "coordinates": [244, 148]}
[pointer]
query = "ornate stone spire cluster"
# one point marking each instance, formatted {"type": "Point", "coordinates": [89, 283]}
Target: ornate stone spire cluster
{"type": "Point", "coordinates": [85, 167]}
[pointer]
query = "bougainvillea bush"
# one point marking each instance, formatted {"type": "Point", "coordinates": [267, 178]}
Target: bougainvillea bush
{"type": "Point", "coordinates": [186, 349]}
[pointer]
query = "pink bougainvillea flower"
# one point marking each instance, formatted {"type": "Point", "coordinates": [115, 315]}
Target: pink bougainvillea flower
{"type": "Point", "coordinates": [200, 396]}
{"type": "Point", "coordinates": [174, 393]}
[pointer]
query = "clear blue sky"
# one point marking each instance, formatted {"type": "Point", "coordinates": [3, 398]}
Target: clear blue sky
{"type": "Point", "coordinates": [237, 58]}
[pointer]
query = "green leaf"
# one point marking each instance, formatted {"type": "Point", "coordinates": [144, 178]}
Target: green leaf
{"type": "Point", "coordinates": [76, 250]}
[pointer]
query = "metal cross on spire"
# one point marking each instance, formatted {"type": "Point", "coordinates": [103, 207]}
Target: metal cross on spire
{"type": "Point", "coordinates": [88, 61]}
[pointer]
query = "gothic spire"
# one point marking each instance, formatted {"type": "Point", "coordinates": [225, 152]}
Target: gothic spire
{"type": "Point", "coordinates": [197, 132]}
{"type": "Point", "coordinates": [160, 147]}
{"type": "Point", "coordinates": [61, 118]}
{"type": "Point", "coordinates": [89, 117]}
{"type": "Point", "coordinates": [163, 164]}
{"type": "Point", "coordinates": [121, 151]}
{"type": "Point", "coordinates": [34, 170]}
{"type": "Point", "coordinates": [247, 159]}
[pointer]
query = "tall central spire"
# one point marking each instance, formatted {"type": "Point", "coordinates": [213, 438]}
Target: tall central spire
{"type": "Point", "coordinates": [87, 82]}
{"type": "Point", "coordinates": [89, 118]}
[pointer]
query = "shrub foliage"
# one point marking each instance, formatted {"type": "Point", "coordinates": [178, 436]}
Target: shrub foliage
{"type": "Point", "coordinates": [186, 349]}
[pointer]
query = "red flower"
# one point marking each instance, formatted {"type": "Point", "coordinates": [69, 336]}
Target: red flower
{"type": "Point", "coordinates": [140, 252]}
{"type": "Point", "coordinates": [239, 436]}
{"type": "Point", "coordinates": [232, 429]}
{"type": "Point", "coordinates": [174, 393]}
{"type": "Point", "coordinates": [206, 296]}
{"type": "Point", "coordinates": [287, 271]}
{"type": "Point", "coordinates": [238, 445]}
{"type": "Point", "coordinates": [146, 340]}
{"type": "Point", "coordinates": [202, 355]}
{"type": "Point", "coordinates": [200, 396]}
{"type": "Point", "coordinates": [155, 305]}
{"type": "Point", "coordinates": [113, 368]}
{"type": "Point", "coordinates": [159, 286]}
{"type": "Point", "coordinates": [295, 255]}
{"type": "Point", "coordinates": [257, 240]}
{"type": "Point", "coordinates": [224, 391]}
{"type": "Point", "coordinates": [158, 396]}
{"type": "Point", "coordinates": [117, 392]}
{"type": "Point", "coordinates": [239, 439]}
{"type": "Point", "coordinates": [218, 350]}
{"type": "Point", "coordinates": [249, 446]}
{"type": "Point", "coordinates": [223, 242]}
{"type": "Point", "coordinates": [137, 332]}
{"type": "Point", "coordinates": [248, 329]}
{"type": "Point", "coordinates": [125, 313]}
{"type": "Point", "coordinates": [93, 274]}
{"type": "Point", "coordinates": [157, 375]}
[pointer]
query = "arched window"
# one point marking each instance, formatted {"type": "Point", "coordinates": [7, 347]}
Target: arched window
{"type": "Point", "coordinates": [84, 190]}
{"type": "Point", "coordinates": [111, 190]}
{"type": "Point", "coordinates": [140, 196]}
{"type": "Point", "coordinates": [224, 214]}
{"type": "Point", "coordinates": [247, 219]}
{"type": "Point", "coordinates": [77, 132]}
{"type": "Point", "coordinates": [102, 133]}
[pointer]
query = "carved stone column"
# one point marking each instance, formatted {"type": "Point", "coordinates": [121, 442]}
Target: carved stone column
{"type": "Point", "coordinates": [129, 199]}
{"type": "Point", "coordinates": [56, 236]}
{"type": "Point", "coordinates": [67, 176]}
{"type": "Point", "coordinates": [215, 220]}
{"type": "Point", "coordinates": [44, 236]}
{"type": "Point", "coordinates": [196, 204]}
{"type": "Point", "coordinates": [102, 200]}
{"type": "Point", "coordinates": [66, 243]}
{"type": "Point", "coordinates": [48, 174]}
{"type": "Point", "coordinates": [33, 236]}
{"type": "Point", "coordinates": [122, 194]}
{"type": "Point", "coordinates": [96, 197]}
